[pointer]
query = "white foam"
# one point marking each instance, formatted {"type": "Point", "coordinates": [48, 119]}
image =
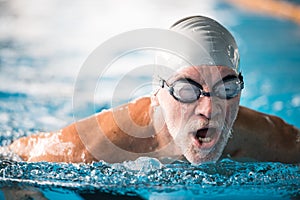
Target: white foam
{"type": "Point", "coordinates": [141, 165]}
{"type": "Point", "coordinates": [296, 101]}
{"type": "Point", "coordinates": [278, 106]}
{"type": "Point", "coordinates": [4, 118]}
{"type": "Point", "coordinates": [50, 120]}
{"type": "Point", "coordinates": [259, 102]}
{"type": "Point", "coordinates": [50, 145]}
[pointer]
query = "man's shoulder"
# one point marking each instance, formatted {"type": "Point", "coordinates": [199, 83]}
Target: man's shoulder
{"type": "Point", "coordinates": [263, 137]}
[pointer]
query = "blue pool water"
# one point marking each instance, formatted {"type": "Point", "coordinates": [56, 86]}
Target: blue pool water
{"type": "Point", "coordinates": [42, 47]}
{"type": "Point", "coordinates": [149, 179]}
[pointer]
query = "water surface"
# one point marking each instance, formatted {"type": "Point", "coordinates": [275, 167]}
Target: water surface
{"type": "Point", "coordinates": [43, 45]}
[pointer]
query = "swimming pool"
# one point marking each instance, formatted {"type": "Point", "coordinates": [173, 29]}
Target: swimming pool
{"type": "Point", "coordinates": [148, 179]}
{"type": "Point", "coordinates": [38, 67]}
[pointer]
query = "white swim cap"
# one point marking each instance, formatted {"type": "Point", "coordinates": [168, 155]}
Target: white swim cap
{"type": "Point", "coordinates": [217, 46]}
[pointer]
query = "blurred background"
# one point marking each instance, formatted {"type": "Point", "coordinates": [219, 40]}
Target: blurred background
{"type": "Point", "coordinates": [44, 43]}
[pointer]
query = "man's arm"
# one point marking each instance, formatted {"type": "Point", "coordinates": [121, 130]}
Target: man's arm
{"type": "Point", "coordinates": [255, 135]}
{"type": "Point", "coordinates": [62, 146]}
{"type": "Point", "coordinates": [109, 135]}
{"type": "Point", "coordinates": [264, 138]}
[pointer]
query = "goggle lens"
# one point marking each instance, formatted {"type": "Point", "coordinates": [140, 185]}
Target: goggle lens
{"type": "Point", "coordinates": [188, 91]}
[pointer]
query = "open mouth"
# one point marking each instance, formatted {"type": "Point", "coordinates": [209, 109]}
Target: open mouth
{"type": "Point", "coordinates": [202, 136]}
{"type": "Point", "coordinates": [205, 137]}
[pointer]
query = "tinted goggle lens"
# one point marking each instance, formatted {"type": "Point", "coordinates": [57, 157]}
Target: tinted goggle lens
{"type": "Point", "coordinates": [188, 91]}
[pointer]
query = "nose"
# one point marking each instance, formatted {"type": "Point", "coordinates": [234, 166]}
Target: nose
{"type": "Point", "coordinates": [204, 107]}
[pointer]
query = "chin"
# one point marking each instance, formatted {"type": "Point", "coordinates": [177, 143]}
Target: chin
{"type": "Point", "coordinates": [198, 156]}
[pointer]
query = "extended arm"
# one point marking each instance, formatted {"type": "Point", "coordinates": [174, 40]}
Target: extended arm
{"type": "Point", "coordinates": [255, 135]}
{"type": "Point", "coordinates": [62, 146]}
{"type": "Point", "coordinates": [109, 135]}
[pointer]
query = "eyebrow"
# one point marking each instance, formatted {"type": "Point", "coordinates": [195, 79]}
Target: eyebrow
{"type": "Point", "coordinates": [189, 81]}
{"type": "Point", "coordinates": [226, 78]}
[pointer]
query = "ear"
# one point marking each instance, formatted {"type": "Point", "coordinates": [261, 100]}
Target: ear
{"type": "Point", "coordinates": [154, 99]}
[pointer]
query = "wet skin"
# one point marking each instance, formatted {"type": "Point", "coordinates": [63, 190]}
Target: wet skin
{"type": "Point", "coordinates": [161, 127]}
{"type": "Point", "coordinates": [209, 118]}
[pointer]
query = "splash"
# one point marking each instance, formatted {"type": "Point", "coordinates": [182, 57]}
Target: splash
{"type": "Point", "coordinates": [147, 177]}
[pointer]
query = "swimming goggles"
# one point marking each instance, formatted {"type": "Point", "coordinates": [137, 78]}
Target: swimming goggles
{"type": "Point", "coordinates": [187, 91]}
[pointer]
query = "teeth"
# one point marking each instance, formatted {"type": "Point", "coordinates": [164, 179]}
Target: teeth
{"type": "Point", "coordinates": [205, 140]}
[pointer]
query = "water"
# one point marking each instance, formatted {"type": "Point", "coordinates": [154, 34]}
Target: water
{"type": "Point", "coordinates": [43, 45]}
{"type": "Point", "coordinates": [149, 179]}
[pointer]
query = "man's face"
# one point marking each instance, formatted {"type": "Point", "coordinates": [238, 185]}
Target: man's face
{"type": "Point", "coordinates": [200, 129]}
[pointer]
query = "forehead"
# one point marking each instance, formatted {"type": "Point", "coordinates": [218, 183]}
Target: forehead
{"type": "Point", "coordinates": [203, 74]}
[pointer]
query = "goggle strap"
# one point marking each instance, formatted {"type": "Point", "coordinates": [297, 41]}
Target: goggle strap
{"type": "Point", "coordinates": [241, 78]}
{"type": "Point", "coordinates": [162, 83]}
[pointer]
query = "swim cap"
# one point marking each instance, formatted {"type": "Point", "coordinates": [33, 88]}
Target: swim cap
{"type": "Point", "coordinates": [213, 37]}
{"type": "Point", "coordinates": [217, 46]}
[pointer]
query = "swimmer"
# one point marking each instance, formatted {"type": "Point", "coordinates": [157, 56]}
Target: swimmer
{"type": "Point", "coordinates": [192, 115]}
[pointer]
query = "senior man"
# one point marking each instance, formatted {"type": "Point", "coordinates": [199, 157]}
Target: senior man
{"type": "Point", "coordinates": [194, 115]}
